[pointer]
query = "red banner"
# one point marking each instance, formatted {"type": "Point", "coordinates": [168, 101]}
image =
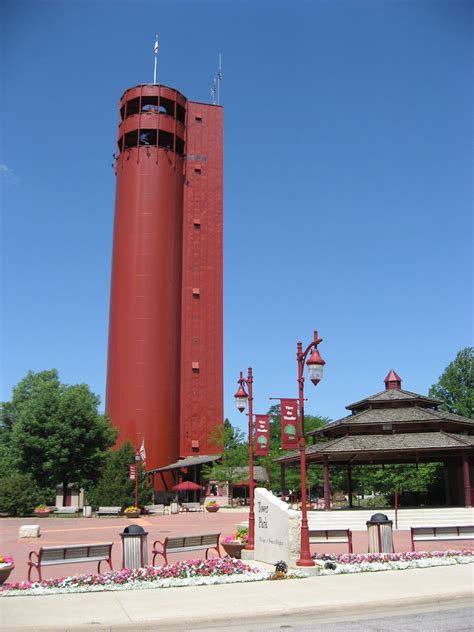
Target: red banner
{"type": "Point", "coordinates": [132, 475]}
{"type": "Point", "coordinates": [289, 423]}
{"type": "Point", "coordinates": [262, 434]}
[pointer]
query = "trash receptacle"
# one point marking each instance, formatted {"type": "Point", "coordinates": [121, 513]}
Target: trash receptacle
{"type": "Point", "coordinates": [379, 529]}
{"type": "Point", "coordinates": [134, 547]}
{"type": "Point", "coordinates": [87, 511]}
{"type": "Point", "coordinates": [174, 508]}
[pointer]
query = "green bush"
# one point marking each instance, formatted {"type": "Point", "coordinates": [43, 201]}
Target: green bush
{"type": "Point", "coordinates": [19, 494]}
{"type": "Point", "coordinates": [378, 502]}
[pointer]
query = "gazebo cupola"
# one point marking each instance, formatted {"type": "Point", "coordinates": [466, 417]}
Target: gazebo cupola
{"type": "Point", "coordinates": [393, 381]}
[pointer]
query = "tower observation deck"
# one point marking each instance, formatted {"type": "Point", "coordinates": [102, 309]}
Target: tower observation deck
{"type": "Point", "coordinates": [164, 376]}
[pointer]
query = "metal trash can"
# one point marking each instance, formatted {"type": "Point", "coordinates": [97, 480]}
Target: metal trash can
{"type": "Point", "coordinates": [174, 508]}
{"type": "Point", "coordinates": [134, 547]}
{"type": "Point", "coordinates": [87, 511]}
{"type": "Point", "coordinates": [380, 535]}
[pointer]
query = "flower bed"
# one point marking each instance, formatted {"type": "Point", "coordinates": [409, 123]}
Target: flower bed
{"type": "Point", "coordinates": [366, 562]}
{"type": "Point", "coordinates": [186, 573]}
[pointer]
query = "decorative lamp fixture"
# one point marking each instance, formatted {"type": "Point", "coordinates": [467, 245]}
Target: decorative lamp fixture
{"type": "Point", "coordinates": [241, 396]}
{"type": "Point", "coordinates": [315, 366]}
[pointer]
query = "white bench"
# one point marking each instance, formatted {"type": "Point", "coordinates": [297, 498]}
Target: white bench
{"type": "Point", "coordinates": [331, 536]}
{"type": "Point", "coordinates": [192, 507]}
{"type": "Point", "coordinates": [67, 511]}
{"type": "Point", "coordinates": [155, 509]}
{"type": "Point", "coordinates": [425, 534]}
{"type": "Point", "coordinates": [70, 554]}
{"type": "Point", "coordinates": [109, 511]}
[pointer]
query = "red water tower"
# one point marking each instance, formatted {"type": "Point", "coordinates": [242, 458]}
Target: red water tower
{"type": "Point", "coordinates": [164, 377]}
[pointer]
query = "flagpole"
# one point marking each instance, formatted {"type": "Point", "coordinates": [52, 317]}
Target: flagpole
{"type": "Point", "coordinates": [155, 50]}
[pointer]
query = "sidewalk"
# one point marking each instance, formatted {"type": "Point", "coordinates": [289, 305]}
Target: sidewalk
{"type": "Point", "coordinates": [190, 607]}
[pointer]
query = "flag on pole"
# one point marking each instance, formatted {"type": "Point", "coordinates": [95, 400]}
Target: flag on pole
{"type": "Point", "coordinates": [155, 47]}
{"type": "Point", "coordinates": [142, 452]}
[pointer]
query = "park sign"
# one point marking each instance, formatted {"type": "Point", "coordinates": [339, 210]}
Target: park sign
{"type": "Point", "coordinates": [133, 473]}
{"type": "Point", "coordinates": [289, 423]}
{"type": "Point", "coordinates": [277, 529]}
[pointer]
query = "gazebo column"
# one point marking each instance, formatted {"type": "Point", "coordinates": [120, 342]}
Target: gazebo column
{"type": "Point", "coordinates": [327, 486]}
{"type": "Point", "coordinates": [349, 483]}
{"type": "Point", "coordinates": [467, 481]}
{"type": "Point", "coordinates": [282, 479]}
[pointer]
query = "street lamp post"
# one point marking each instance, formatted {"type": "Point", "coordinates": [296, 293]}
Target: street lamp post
{"type": "Point", "coordinates": [241, 398]}
{"type": "Point", "coordinates": [315, 369]}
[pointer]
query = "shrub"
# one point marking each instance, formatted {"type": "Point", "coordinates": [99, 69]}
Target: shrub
{"type": "Point", "coordinates": [19, 494]}
{"type": "Point", "coordinates": [377, 502]}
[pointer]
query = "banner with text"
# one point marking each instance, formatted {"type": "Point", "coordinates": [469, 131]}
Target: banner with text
{"type": "Point", "coordinates": [262, 434]}
{"type": "Point", "coordinates": [289, 423]}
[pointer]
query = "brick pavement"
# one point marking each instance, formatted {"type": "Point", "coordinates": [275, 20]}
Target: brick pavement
{"type": "Point", "coordinates": [57, 531]}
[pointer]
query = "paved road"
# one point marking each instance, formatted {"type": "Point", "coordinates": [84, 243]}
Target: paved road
{"type": "Point", "coordinates": [442, 618]}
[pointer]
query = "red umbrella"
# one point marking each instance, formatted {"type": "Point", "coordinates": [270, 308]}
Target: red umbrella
{"type": "Point", "coordinates": [186, 486]}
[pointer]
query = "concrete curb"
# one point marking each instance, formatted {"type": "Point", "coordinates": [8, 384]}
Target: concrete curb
{"type": "Point", "coordinates": [240, 604]}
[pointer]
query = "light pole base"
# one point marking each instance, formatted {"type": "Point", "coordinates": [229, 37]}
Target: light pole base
{"type": "Point", "coordinates": [246, 554]}
{"type": "Point", "coordinates": [248, 547]}
{"type": "Point", "coordinates": [311, 570]}
{"type": "Point", "coordinates": [307, 563]}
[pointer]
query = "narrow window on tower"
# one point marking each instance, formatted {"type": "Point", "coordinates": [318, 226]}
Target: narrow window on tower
{"type": "Point", "coordinates": [122, 112]}
{"type": "Point", "coordinates": [180, 113]}
{"type": "Point", "coordinates": [179, 146]}
{"type": "Point", "coordinates": [165, 139]}
{"type": "Point", "coordinates": [195, 367]}
{"type": "Point", "coordinates": [167, 106]}
{"type": "Point", "coordinates": [119, 144]}
{"type": "Point", "coordinates": [196, 292]}
{"type": "Point", "coordinates": [147, 137]}
{"type": "Point", "coordinates": [133, 107]}
{"type": "Point", "coordinates": [130, 139]}
{"type": "Point", "coordinates": [197, 223]}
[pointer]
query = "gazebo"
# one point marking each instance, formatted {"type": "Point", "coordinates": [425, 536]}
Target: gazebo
{"type": "Point", "coordinates": [394, 426]}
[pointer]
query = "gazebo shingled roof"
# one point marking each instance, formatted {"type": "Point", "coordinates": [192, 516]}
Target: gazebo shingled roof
{"type": "Point", "coordinates": [393, 426]}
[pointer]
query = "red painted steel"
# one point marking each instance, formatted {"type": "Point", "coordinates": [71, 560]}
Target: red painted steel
{"type": "Point", "coordinates": [201, 396]}
{"type": "Point", "coordinates": [156, 332]}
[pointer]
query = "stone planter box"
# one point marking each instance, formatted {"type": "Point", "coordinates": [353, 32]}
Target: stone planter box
{"type": "Point", "coordinates": [132, 514]}
{"type": "Point", "coordinates": [212, 509]}
{"type": "Point", "coordinates": [233, 549]}
{"type": "Point", "coordinates": [5, 573]}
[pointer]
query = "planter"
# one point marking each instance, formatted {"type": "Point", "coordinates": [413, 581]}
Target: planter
{"type": "Point", "coordinates": [132, 514]}
{"type": "Point", "coordinates": [5, 573]}
{"type": "Point", "coordinates": [212, 509]}
{"type": "Point", "coordinates": [42, 514]}
{"type": "Point", "coordinates": [233, 549]}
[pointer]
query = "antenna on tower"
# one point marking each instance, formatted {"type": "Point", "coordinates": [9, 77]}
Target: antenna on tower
{"type": "Point", "coordinates": [155, 51]}
{"type": "Point", "coordinates": [216, 84]}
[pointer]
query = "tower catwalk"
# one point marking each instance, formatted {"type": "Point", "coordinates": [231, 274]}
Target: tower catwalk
{"type": "Point", "coordinates": [164, 376]}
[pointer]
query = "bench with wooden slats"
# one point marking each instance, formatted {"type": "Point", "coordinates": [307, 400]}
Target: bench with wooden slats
{"type": "Point", "coordinates": [66, 510]}
{"type": "Point", "coordinates": [70, 554]}
{"type": "Point", "coordinates": [425, 534]}
{"type": "Point", "coordinates": [192, 507]}
{"type": "Point", "coordinates": [331, 536]}
{"type": "Point", "coordinates": [154, 509]}
{"type": "Point", "coordinates": [186, 543]}
{"type": "Point", "coordinates": [108, 511]}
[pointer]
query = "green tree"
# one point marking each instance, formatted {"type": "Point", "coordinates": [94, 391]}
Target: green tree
{"type": "Point", "coordinates": [235, 455]}
{"type": "Point", "coordinates": [54, 431]}
{"type": "Point", "coordinates": [114, 486]}
{"type": "Point", "coordinates": [455, 387]}
{"type": "Point", "coordinates": [19, 494]}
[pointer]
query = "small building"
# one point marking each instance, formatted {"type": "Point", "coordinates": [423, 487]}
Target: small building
{"type": "Point", "coordinates": [394, 427]}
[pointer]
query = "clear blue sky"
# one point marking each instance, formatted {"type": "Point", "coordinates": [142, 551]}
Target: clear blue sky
{"type": "Point", "coordinates": [348, 173]}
